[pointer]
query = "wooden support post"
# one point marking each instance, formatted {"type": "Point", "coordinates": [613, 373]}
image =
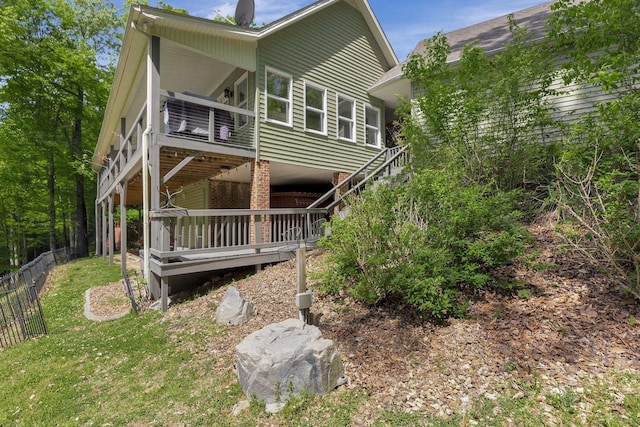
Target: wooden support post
{"type": "Point", "coordinates": [257, 236]}
{"type": "Point", "coordinates": [123, 226]}
{"type": "Point", "coordinates": [164, 290]}
{"type": "Point", "coordinates": [98, 226]}
{"type": "Point", "coordinates": [112, 240]}
{"type": "Point", "coordinates": [303, 298]}
{"type": "Point", "coordinates": [97, 220]}
{"type": "Point", "coordinates": [104, 231]}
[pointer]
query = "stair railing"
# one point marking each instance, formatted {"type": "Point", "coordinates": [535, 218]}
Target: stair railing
{"type": "Point", "coordinates": [394, 158]}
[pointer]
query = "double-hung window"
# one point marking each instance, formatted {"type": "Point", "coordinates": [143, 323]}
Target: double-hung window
{"type": "Point", "coordinates": [372, 125]}
{"type": "Point", "coordinates": [346, 118]}
{"type": "Point", "coordinates": [315, 109]}
{"type": "Point", "coordinates": [241, 97]}
{"type": "Point", "coordinates": [279, 92]}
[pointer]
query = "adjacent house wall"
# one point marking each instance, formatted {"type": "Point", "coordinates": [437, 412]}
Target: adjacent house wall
{"type": "Point", "coordinates": [194, 196]}
{"type": "Point", "coordinates": [229, 195]}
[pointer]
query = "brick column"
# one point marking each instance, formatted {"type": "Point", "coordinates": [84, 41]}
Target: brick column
{"type": "Point", "coordinates": [261, 197]}
{"type": "Point", "coordinates": [339, 177]}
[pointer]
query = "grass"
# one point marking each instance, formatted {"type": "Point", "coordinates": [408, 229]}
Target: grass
{"type": "Point", "coordinates": [130, 372]}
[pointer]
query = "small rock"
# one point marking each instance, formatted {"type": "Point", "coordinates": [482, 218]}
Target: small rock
{"type": "Point", "coordinates": [157, 305]}
{"type": "Point", "coordinates": [233, 308]}
{"type": "Point", "coordinates": [275, 407]}
{"type": "Point", "coordinates": [240, 406]}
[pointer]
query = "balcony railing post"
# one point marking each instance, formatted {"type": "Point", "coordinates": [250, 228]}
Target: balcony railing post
{"type": "Point", "coordinates": [257, 231]}
{"type": "Point", "coordinates": [212, 127]}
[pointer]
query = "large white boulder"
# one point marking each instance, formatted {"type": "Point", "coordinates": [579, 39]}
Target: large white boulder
{"type": "Point", "coordinates": [282, 359]}
{"type": "Point", "coordinates": [233, 308]}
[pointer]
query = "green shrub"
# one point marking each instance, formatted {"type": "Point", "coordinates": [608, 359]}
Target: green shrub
{"type": "Point", "coordinates": [598, 190]}
{"type": "Point", "coordinates": [423, 242]}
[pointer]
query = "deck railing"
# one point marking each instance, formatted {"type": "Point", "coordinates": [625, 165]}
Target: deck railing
{"type": "Point", "coordinates": [185, 231]}
{"type": "Point", "coordinates": [203, 118]}
{"type": "Point", "coordinates": [117, 161]}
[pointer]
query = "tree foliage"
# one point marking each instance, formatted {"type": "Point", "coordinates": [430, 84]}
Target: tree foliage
{"type": "Point", "coordinates": [598, 183]}
{"type": "Point", "coordinates": [489, 113]}
{"type": "Point", "coordinates": [55, 74]}
{"type": "Point", "coordinates": [474, 129]}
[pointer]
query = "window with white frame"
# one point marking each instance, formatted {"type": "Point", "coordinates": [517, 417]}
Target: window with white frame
{"type": "Point", "coordinates": [279, 92]}
{"type": "Point", "coordinates": [346, 109]}
{"type": "Point", "coordinates": [315, 108]}
{"type": "Point", "coordinates": [372, 125]}
{"type": "Point", "coordinates": [241, 97]}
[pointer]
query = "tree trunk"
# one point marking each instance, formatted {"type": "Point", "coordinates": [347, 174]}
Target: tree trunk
{"type": "Point", "coordinates": [52, 201]}
{"type": "Point", "coordinates": [25, 249]}
{"type": "Point", "coordinates": [65, 237]}
{"type": "Point", "coordinates": [82, 242]}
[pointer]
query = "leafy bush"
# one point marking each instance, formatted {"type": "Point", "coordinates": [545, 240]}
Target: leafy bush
{"type": "Point", "coordinates": [491, 115]}
{"type": "Point", "coordinates": [422, 242]}
{"type": "Point", "coordinates": [598, 190]}
{"type": "Point", "coordinates": [598, 176]}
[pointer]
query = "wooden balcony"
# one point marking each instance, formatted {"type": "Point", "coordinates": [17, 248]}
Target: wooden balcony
{"type": "Point", "coordinates": [198, 137]}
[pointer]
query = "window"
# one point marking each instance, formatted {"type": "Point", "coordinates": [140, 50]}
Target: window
{"type": "Point", "coordinates": [241, 96]}
{"type": "Point", "coordinates": [372, 125]}
{"type": "Point", "coordinates": [346, 118]}
{"type": "Point", "coordinates": [278, 95]}
{"type": "Point", "coordinates": [315, 109]}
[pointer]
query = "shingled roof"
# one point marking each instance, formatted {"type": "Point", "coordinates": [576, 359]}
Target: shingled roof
{"type": "Point", "coordinates": [492, 35]}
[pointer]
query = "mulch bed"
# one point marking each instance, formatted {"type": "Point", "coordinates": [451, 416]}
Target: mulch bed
{"type": "Point", "coordinates": [567, 330]}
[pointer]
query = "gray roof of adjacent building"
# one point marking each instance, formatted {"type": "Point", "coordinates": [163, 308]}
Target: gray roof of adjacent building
{"type": "Point", "coordinates": [491, 35]}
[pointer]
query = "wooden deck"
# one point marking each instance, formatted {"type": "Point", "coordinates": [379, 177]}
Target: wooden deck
{"type": "Point", "coordinates": [192, 244]}
{"type": "Point", "coordinates": [189, 262]}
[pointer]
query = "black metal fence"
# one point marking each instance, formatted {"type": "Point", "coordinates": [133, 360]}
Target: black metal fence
{"type": "Point", "coordinates": [21, 314]}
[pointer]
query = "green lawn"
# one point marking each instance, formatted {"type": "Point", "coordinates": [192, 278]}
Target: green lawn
{"type": "Point", "coordinates": [128, 372]}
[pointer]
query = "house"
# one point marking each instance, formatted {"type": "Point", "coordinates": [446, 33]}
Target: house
{"type": "Point", "coordinates": [225, 135]}
{"type": "Point", "coordinates": [492, 36]}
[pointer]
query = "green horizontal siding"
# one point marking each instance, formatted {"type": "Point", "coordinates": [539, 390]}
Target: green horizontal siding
{"type": "Point", "coordinates": [334, 49]}
{"type": "Point", "coordinates": [194, 196]}
{"type": "Point", "coordinates": [237, 52]}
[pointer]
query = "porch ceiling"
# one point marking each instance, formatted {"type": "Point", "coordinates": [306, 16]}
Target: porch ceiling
{"type": "Point", "coordinates": [183, 69]}
{"type": "Point", "coordinates": [203, 165]}
{"type": "Point", "coordinates": [281, 174]}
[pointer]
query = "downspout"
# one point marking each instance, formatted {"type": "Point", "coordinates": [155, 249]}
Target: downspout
{"type": "Point", "coordinates": [145, 201]}
{"type": "Point", "coordinates": [95, 212]}
{"type": "Point", "coordinates": [256, 119]}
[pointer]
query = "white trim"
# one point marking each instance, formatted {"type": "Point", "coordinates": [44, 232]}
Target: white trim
{"type": "Point", "coordinates": [368, 127]}
{"type": "Point", "coordinates": [244, 104]}
{"type": "Point", "coordinates": [288, 101]}
{"type": "Point", "coordinates": [322, 112]}
{"type": "Point", "coordinates": [353, 121]}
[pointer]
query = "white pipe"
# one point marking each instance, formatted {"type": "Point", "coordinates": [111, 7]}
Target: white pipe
{"type": "Point", "coordinates": [145, 200]}
{"type": "Point", "coordinates": [96, 212]}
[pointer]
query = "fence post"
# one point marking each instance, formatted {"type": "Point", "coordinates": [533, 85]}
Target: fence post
{"type": "Point", "coordinates": [19, 314]}
{"type": "Point", "coordinates": [34, 293]}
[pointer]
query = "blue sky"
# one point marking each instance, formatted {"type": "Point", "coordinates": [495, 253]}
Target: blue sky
{"type": "Point", "coordinates": [405, 22]}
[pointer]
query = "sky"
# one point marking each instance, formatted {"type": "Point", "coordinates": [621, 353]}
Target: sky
{"type": "Point", "coordinates": [405, 22]}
